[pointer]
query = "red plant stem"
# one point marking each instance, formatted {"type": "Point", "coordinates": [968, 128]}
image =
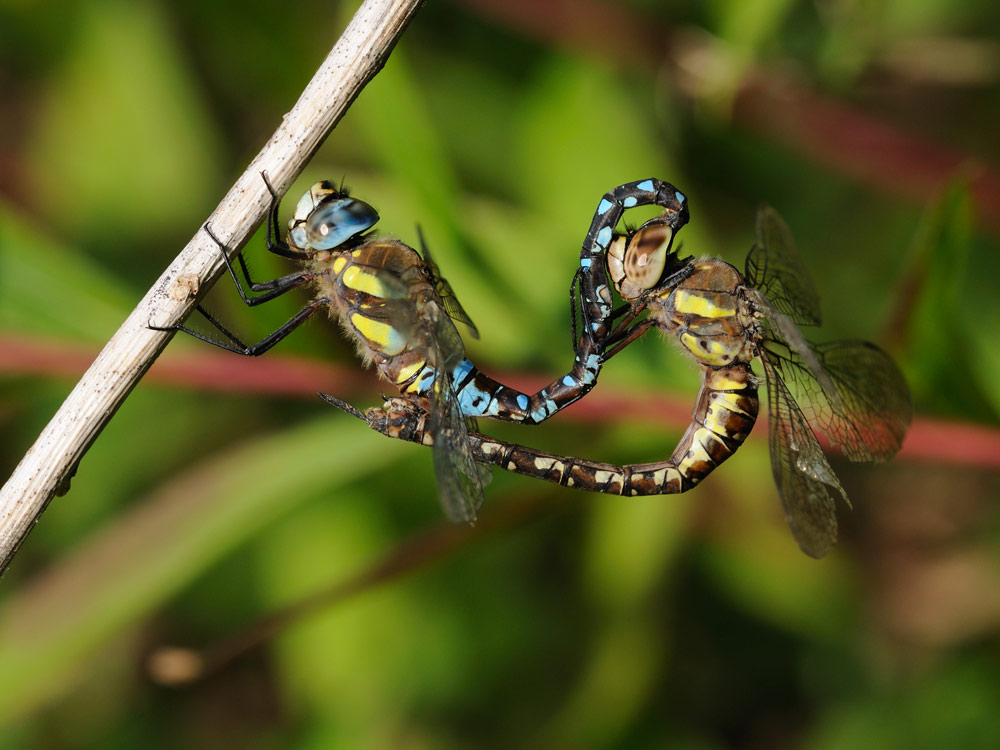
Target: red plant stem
{"type": "Point", "coordinates": [936, 440]}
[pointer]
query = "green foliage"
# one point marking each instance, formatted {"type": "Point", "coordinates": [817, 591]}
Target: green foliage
{"type": "Point", "coordinates": [691, 621]}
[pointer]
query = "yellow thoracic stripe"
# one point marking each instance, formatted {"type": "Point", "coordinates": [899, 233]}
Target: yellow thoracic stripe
{"type": "Point", "coordinates": [705, 349]}
{"type": "Point", "coordinates": [387, 339]}
{"type": "Point", "coordinates": [691, 303]}
{"type": "Point", "coordinates": [364, 281]}
{"type": "Point", "coordinates": [338, 264]}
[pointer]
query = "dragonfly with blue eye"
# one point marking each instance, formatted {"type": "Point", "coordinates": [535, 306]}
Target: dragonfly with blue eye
{"type": "Point", "coordinates": [399, 310]}
{"type": "Point", "coordinates": [850, 390]}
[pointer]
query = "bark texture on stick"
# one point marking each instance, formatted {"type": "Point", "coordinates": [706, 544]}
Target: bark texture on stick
{"type": "Point", "coordinates": [355, 59]}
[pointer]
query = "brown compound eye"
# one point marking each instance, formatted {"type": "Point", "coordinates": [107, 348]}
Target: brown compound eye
{"type": "Point", "coordinates": [646, 254]}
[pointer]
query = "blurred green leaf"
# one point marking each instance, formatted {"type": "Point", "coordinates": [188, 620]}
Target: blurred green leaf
{"type": "Point", "coordinates": [947, 323]}
{"type": "Point", "coordinates": [664, 622]}
{"type": "Point", "coordinates": [122, 140]}
{"type": "Point", "coordinates": [352, 664]}
{"type": "Point", "coordinates": [631, 545]}
{"type": "Point", "coordinates": [755, 561]}
{"type": "Point", "coordinates": [614, 685]}
{"type": "Point", "coordinates": [954, 707]}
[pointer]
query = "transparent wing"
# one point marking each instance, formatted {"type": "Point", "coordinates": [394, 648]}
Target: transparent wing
{"type": "Point", "coordinates": [871, 410]}
{"type": "Point", "coordinates": [806, 482]}
{"type": "Point", "coordinates": [460, 479]}
{"type": "Point", "coordinates": [774, 267]}
{"type": "Point", "coordinates": [783, 338]}
{"type": "Point", "coordinates": [444, 290]}
{"type": "Point", "coordinates": [420, 317]}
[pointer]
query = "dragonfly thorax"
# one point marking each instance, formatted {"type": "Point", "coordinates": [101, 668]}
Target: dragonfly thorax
{"type": "Point", "coordinates": [708, 314]}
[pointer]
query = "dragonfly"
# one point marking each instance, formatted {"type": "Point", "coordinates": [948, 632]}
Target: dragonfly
{"type": "Point", "coordinates": [850, 390]}
{"type": "Point", "coordinates": [399, 310]}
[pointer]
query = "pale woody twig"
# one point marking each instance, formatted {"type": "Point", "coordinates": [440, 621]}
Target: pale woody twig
{"type": "Point", "coordinates": [355, 59]}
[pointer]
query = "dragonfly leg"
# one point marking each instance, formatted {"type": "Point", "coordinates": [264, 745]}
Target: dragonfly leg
{"type": "Point", "coordinates": [622, 336]}
{"type": "Point", "coordinates": [236, 345]}
{"type": "Point", "coordinates": [271, 289]}
{"type": "Point", "coordinates": [274, 244]}
{"type": "Point", "coordinates": [343, 406]}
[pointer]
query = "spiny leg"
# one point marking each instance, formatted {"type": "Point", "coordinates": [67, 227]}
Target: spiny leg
{"type": "Point", "coordinates": [272, 289]}
{"type": "Point", "coordinates": [253, 350]}
{"type": "Point", "coordinates": [274, 244]}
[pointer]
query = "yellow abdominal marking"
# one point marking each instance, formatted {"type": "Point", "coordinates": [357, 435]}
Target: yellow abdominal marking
{"type": "Point", "coordinates": [490, 449]}
{"type": "Point", "coordinates": [603, 477]}
{"type": "Point", "coordinates": [713, 422]}
{"type": "Point", "coordinates": [697, 454]}
{"type": "Point", "coordinates": [387, 339]}
{"type": "Point", "coordinates": [544, 464]}
{"type": "Point", "coordinates": [364, 281]}
{"type": "Point", "coordinates": [692, 303]}
{"type": "Point", "coordinates": [409, 371]}
{"type": "Point", "coordinates": [719, 382]}
{"type": "Point", "coordinates": [731, 401]}
{"type": "Point", "coordinates": [660, 477]}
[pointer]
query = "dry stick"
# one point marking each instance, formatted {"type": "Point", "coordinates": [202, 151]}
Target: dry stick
{"type": "Point", "coordinates": [48, 465]}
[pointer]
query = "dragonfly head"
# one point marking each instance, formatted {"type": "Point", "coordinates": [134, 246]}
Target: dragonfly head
{"type": "Point", "coordinates": [326, 217]}
{"type": "Point", "coordinates": [639, 260]}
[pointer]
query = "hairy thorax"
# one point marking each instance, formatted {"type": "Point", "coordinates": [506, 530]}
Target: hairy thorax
{"type": "Point", "coordinates": [710, 314]}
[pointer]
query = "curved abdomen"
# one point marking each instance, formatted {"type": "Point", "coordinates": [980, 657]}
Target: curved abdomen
{"type": "Point", "coordinates": [723, 417]}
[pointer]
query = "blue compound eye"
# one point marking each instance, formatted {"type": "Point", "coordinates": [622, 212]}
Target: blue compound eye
{"type": "Point", "coordinates": [334, 222]}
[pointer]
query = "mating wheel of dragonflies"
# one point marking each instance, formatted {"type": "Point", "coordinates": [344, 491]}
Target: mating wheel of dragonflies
{"type": "Point", "coordinates": [850, 390]}
{"type": "Point", "coordinates": [399, 310]}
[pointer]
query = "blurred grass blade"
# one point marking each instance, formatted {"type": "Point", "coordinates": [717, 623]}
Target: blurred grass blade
{"type": "Point", "coordinates": [117, 577]}
{"type": "Point", "coordinates": [48, 288]}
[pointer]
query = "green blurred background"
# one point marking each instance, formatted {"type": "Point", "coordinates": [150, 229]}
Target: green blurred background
{"type": "Point", "coordinates": [563, 620]}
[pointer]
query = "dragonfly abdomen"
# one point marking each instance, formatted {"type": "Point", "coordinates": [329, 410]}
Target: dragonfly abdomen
{"type": "Point", "coordinates": [725, 413]}
{"type": "Point", "coordinates": [482, 396]}
{"type": "Point", "coordinates": [723, 416]}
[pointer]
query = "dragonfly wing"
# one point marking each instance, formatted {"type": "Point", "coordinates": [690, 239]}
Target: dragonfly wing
{"type": "Point", "coordinates": [775, 267]}
{"type": "Point", "coordinates": [872, 409]}
{"type": "Point", "coordinates": [460, 479]}
{"type": "Point", "coordinates": [784, 340]}
{"type": "Point", "coordinates": [451, 304]}
{"type": "Point", "coordinates": [805, 480]}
